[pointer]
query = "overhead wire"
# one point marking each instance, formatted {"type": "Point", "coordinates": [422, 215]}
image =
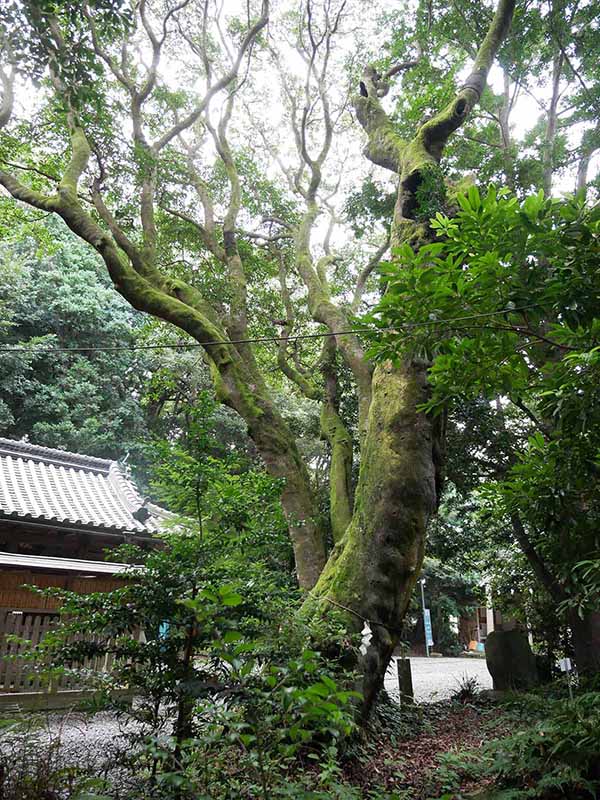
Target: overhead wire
{"type": "Point", "coordinates": [264, 339]}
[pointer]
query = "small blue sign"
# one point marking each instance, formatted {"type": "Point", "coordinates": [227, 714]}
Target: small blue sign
{"type": "Point", "coordinates": [428, 630]}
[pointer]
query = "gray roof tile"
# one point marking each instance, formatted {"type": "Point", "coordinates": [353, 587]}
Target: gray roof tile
{"type": "Point", "coordinates": [46, 485]}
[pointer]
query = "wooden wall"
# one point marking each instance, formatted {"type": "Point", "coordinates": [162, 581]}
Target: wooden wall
{"type": "Point", "coordinates": [13, 595]}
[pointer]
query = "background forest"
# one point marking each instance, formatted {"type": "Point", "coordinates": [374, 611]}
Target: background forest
{"type": "Point", "coordinates": [328, 282]}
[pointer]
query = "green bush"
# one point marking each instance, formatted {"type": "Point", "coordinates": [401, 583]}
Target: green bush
{"type": "Point", "coordinates": [277, 722]}
{"type": "Point", "coordinates": [557, 755]}
{"type": "Point", "coordinates": [231, 694]}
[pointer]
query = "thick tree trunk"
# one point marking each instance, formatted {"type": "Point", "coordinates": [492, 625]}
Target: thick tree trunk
{"type": "Point", "coordinates": [585, 635]}
{"type": "Point", "coordinates": [245, 391]}
{"type": "Point", "coordinates": [372, 570]}
{"type": "Point", "coordinates": [298, 502]}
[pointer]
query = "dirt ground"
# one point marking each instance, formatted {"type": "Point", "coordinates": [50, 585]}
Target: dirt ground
{"type": "Point", "coordinates": [413, 767]}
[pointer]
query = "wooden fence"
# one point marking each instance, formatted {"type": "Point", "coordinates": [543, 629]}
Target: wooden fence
{"type": "Point", "coordinates": [18, 675]}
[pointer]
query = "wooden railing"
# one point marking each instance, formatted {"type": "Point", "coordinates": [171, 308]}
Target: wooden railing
{"type": "Point", "coordinates": [18, 674]}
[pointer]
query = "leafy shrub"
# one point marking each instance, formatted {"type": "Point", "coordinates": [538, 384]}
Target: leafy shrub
{"type": "Point", "coordinates": [556, 756]}
{"type": "Point", "coordinates": [229, 690]}
{"type": "Point", "coordinates": [250, 744]}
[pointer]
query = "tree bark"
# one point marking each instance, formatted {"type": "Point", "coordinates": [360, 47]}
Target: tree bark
{"type": "Point", "coordinates": [372, 570]}
{"type": "Point", "coordinates": [340, 444]}
{"type": "Point", "coordinates": [590, 143]}
{"type": "Point", "coordinates": [585, 634]}
{"type": "Point", "coordinates": [503, 122]}
{"type": "Point", "coordinates": [551, 121]}
{"type": "Point", "coordinates": [538, 565]}
{"type": "Point", "coordinates": [332, 426]}
{"type": "Point", "coordinates": [340, 469]}
{"type": "Point", "coordinates": [279, 451]}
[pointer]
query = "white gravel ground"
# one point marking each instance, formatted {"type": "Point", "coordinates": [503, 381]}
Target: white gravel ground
{"type": "Point", "coordinates": [438, 678]}
{"type": "Point", "coordinates": [94, 745]}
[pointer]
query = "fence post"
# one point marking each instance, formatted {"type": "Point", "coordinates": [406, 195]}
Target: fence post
{"type": "Point", "coordinates": [405, 684]}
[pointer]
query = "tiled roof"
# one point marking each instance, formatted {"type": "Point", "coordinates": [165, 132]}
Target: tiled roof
{"type": "Point", "coordinates": [43, 485]}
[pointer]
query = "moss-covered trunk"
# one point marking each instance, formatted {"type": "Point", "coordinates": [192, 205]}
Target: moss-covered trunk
{"type": "Point", "coordinates": [339, 438]}
{"type": "Point", "coordinates": [373, 568]}
{"type": "Point", "coordinates": [340, 470]}
{"type": "Point", "coordinates": [278, 449]}
{"type": "Point", "coordinates": [240, 385]}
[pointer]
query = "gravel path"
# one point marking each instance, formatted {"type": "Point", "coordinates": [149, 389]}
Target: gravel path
{"type": "Point", "coordinates": [77, 732]}
{"type": "Point", "coordinates": [438, 678]}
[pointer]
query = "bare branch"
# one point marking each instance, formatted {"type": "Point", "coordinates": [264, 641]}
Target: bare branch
{"type": "Point", "coordinates": [539, 566]}
{"type": "Point", "coordinates": [117, 232]}
{"type": "Point", "coordinates": [119, 72]}
{"type": "Point", "coordinates": [26, 168]}
{"type": "Point", "coordinates": [220, 84]}
{"type": "Point", "coordinates": [265, 237]}
{"type": "Point", "coordinates": [207, 239]}
{"type": "Point", "coordinates": [371, 265]}
{"type": "Point", "coordinates": [306, 386]}
{"type": "Point", "coordinates": [403, 66]}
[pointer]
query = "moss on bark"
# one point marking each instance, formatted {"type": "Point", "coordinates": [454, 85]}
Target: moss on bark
{"type": "Point", "coordinates": [373, 568]}
{"type": "Point", "coordinates": [340, 470]}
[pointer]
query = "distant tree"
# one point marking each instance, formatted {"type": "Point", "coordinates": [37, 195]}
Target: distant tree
{"type": "Point", "coordinates": [86, 401]}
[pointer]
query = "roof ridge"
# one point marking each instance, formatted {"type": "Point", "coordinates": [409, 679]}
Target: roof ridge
{"type": "Point", "coordinates": [125, 487]}
{"type": "Point", "coordinates": [50, 455]}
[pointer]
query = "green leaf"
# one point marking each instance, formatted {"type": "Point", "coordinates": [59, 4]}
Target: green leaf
{"type": "Point", "coordinates": [232, 599]}
{"type": "Point", "coordinates": [232, 636]}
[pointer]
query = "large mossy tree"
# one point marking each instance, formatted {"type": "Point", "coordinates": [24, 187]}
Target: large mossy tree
{"type": "Point", "coordinates": [126, 148]}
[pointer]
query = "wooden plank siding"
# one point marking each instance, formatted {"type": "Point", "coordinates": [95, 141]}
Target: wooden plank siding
{"type": "Point", "coordinates": [12, 593]}
{"type": "Point", "coordinates": [16, 674]}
